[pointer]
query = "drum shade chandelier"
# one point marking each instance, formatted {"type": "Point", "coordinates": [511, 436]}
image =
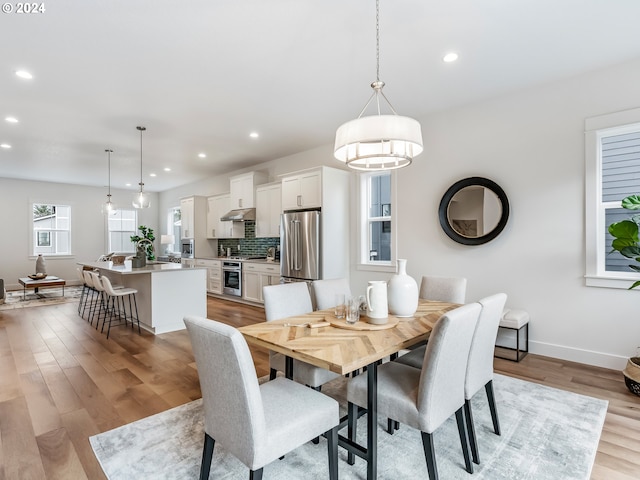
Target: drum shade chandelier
{"type": "Point", "coordinates": [378, 142]}
{"type": "Point", "coordinates": [141, 199]}
{"type": "Point", "coordinates": [108, 206]}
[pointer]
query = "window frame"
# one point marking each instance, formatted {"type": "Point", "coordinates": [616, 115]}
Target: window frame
{"type": "Point", "coordinates": [34, 242]}
{"type": "Point", "coordinates": [364, 221]}
{"type": "Point", "coordinates": [597, 128]}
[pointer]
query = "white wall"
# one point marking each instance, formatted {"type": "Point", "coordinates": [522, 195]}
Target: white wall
{"type": "Point", "coordinates": [532, 144]}
{"type": "Point", "coordinates": [87, 225]}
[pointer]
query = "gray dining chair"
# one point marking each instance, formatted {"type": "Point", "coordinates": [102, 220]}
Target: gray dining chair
{"type": "Point", "coordinates": [425, 398]}
{"type": "Point", "coordinates": [255, 423]}
{"type": "Point", "coordinates": [480, 365]}
{"type": "Point", "coordinates": [288, 300]}
{"type": "Point", "coordinates": [325, 291]}
{"type": "Point", "coordinates": [439, 289]}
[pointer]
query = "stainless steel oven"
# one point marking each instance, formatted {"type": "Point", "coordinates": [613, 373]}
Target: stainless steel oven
{"type": "Point", "coordinates": [186, 250]}
{"type": "Point", "coordinates": [232, 278]}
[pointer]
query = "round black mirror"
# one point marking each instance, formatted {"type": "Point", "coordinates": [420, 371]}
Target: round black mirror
{"type": "Point", "coordinates": [474, 211]}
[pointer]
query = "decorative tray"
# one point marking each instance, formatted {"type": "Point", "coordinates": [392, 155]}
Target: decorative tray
{"type": "Point", "coordinates": [38, 276]}
{"type": "Point", "coordinates": [363, 324]}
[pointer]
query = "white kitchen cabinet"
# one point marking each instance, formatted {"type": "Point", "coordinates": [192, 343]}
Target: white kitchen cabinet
{"type": "Point", "coordinates": [217, 206]}
{"type": "Point", "coordinates": [214, 274]}
{"type": "Point", "coordinates": [257, 275]}
{"type": "Point", "coordinates": [268, 210]}
{"type": "Point", "coordinates": [187, 217]}
{"type": "Point", "coordinates": [302, 190]}
{"type": "Point", "coordinates": [243, 189]}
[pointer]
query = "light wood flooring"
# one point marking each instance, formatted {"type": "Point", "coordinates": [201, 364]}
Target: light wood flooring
{"type": "Point", "coordinates": [61, 382]}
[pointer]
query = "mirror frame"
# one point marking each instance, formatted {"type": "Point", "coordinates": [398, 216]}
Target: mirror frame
{"type": "Point", "coordinates": [455, 188]}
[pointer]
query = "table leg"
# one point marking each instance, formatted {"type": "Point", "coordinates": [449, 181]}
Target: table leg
{"type": "Point", "coordinates": [288, 367]}
{"type": "Point", "coordinates": [372, 421]}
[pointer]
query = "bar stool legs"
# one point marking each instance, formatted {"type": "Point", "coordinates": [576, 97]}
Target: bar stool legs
{"type": "Point", "coordinates": [117, 306]}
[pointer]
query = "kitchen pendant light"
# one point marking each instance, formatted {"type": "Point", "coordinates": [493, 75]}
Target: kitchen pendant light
{"type": "Point", "coordinates": [141, 199]}
{"type": "Point", "coordinates": [108, 206]}
{"type": "Point", "coordinates": [378, 142]}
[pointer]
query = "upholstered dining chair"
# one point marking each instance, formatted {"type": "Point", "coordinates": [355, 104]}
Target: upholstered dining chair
{"type": "Point", "coordinates": [325, 291]}
{"type": "Point", "coordinates": [256, 423]}
{"type": "Point", "coordinates": [480, 365]}
{"type": "Point", "coordinates": [440, 289]}
{"type": "Point", "coordinates": [425, 398]}
{"type": "Point", "coordinates": [287, 300]}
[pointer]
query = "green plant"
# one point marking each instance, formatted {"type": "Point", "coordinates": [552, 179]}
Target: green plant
{"type": "Point", "coordinates": [625, 234]}
{"type": "Point", "coordinates": [147, 233]}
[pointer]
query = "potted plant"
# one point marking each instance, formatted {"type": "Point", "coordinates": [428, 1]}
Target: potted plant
{"type": "Point", "coordinates": [147, 234]}
{"type": "Point", "coordinates": [627, 242]}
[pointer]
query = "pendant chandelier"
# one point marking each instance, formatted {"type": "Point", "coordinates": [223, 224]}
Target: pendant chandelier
{"type": "Point", "coordinates": [141, 199]}
{"type": "Point", "coordinates": [378, 142]}
{"type": "Point", "coordinates": [108, 207]}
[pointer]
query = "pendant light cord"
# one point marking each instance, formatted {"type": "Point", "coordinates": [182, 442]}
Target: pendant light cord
{"type": "Point", "coordinates": [377, 40]}
{"type": "Point", "coordinates": [142, 129]}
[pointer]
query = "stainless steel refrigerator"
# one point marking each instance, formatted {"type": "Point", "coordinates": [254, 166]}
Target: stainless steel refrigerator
{"type": "Point", "coordinates": [300, 246]}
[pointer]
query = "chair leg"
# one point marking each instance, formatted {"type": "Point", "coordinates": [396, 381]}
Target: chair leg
{"type": "Point", "coordinates": [273, 373]}
{"type": "Point", "coordinates": [255, 474]}
{"type": "Point", "coordinates": [471, 431]}
{"type": "Point", "coordinates": [390, 426]}
{"type": "Point", "coordinates": [492, 406]}
{"type": "Point", "coordinates": [427, 446]}
{"type": "Point", "coordinates": [352, 411]}
{"type": "Point", "coordinates": [207, 456]}
{"type": "Point", "coordinates": [332, 450]}
{"type": "Point", "coordinates": [464, 441]}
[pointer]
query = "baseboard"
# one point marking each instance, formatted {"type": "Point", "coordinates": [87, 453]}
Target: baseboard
{"type": "Point", "coordinates": [588, 357]}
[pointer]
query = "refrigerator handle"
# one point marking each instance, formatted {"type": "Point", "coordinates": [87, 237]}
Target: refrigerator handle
{"type": "Point", "coordinates": [296, 244]}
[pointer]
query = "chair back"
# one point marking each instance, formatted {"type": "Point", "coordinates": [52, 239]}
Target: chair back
{"type": "Point", "coordinates": [80, 275]}
{"type": "Point", "coordinates": [325, 291]}
{"type": "Point", "coordinates": [441, 389]}
{"type": "Point", "coordinates": [286, 300]}
{"type": "Point", "coordinates": [96, 281]}
{"type": "Point", "coordinates": [443, 289]}
{"type": "Point", "coordinates": [87, 278]}
{"type": "Point", "coordinates": [480, 365]}
{"type": "Point", "coordinates": [233, 410]}
{"type": "Point", "coordinates": [107, 286]}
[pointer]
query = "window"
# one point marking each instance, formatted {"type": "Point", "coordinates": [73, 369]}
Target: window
{"type": "Point", "coordinates": [377, 229]}
{"type": "Point", "coordinates": [174, 228]}
{"type": "Point", "coordinates": [51, 229]}
{"type": "Point", "coordinates": [121, 224]}
{"type": "Point", "coordinates": [612, 173]}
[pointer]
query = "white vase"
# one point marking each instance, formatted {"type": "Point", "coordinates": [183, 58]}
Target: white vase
{"type": "Point", "coordinates": [41, 266]}
{"type": "Point", "coordinates": [403, 292]}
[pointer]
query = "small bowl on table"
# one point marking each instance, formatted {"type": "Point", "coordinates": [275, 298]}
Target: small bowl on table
{"type": "Point", "coordinates": [38, 276]}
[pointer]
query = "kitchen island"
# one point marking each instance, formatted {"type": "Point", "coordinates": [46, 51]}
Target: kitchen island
{"type": "Point", "coordinates": [166, 291]}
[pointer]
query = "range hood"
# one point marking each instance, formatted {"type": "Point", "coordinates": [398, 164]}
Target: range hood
{"type": "Point", "coordinates": [239, 215]}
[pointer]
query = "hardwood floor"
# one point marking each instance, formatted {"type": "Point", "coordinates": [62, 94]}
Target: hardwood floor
{"type": "Point", "coordinates": [61, 382]}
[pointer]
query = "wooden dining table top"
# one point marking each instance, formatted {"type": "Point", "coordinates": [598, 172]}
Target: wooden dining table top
{"type": "Point", "coordinates": [343, 350]}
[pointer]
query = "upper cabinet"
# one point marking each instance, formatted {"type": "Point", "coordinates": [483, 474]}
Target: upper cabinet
{"type": "Point", "coordinates": [302, 190]}
{"type": "Point", "coordinates": [243, 189]}
{"type": "Point", "coordinates": [268, 210]}
{"type": "Point", "coordinates": [187, 217]}
{"type": "Point", "coordinates": [217, 206]}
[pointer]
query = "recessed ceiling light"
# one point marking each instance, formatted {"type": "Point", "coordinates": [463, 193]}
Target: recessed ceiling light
{"type": "Point", "coordinates": [5, 145]}
{"type": "Point", "coordinates": [24, 74]}
{"type": "Point", "coordinates": [127, 184]}
{"type": "Point", "coordinates": [152, 174]}
{"type": "Point", "coordinates": [254, 135]}
{"type": "Point", "coordinates": [202, 155]}
{"type": "Point", "coordinates": [167, 169]}
{"type": "Point", "coordinates": [11, 119]}
{"type": "Point", "coordinates": [450, 57]}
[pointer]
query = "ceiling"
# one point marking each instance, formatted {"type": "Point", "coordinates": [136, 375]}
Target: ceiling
{"type": "Point", "coordinates": [201, 75]}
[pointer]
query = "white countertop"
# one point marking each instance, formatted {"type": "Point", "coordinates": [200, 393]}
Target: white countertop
{"type": "Point", "coordinates": [126, 269]}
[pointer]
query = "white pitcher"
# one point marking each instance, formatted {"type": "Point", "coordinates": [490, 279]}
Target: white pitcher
{"type": "Point", "coordinates": [377, 308]}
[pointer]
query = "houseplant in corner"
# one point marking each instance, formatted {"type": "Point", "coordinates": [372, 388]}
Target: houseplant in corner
{"type": "Point", "coordinates": [147, 234]}
{"type": "Point", "coordinates": [626, 241]}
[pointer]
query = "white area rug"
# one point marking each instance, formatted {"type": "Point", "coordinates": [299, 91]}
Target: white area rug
{"type": "Point", "coordinates": [547, 434]}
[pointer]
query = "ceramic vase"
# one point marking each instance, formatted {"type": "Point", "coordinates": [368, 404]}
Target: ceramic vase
{"type": "Point", "coordinates": [403, 292]}
{"type": "Point", "coordinates": [41, 266]}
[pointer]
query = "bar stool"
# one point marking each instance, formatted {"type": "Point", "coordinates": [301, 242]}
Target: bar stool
{"type": "Point", "coordinates": [88, 302]}
{"type": "Point", "coordinates": [85, 289]}
{"type": "Point", "coordinates": [116, 304]}
{"type": "Point", "coordinates": [101, 304]}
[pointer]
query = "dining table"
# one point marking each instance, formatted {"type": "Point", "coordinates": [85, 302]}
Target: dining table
{"type": "Point", "coordinates": [321, 339]}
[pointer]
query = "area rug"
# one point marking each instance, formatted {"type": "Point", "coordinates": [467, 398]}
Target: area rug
{"type": "Point", "coordinates": [48, 296]}
{"type": "Point", "coordinates": [547, 434]}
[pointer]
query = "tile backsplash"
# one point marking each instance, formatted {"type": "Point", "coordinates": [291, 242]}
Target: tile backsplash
{"type": "Point", "coordinates": [249, 245]}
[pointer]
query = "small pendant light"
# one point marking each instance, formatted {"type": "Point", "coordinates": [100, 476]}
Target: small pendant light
{"type": "Point", "coordinates": [108, 206]}
{"type": "Point", "coordinates": [141, 199]}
